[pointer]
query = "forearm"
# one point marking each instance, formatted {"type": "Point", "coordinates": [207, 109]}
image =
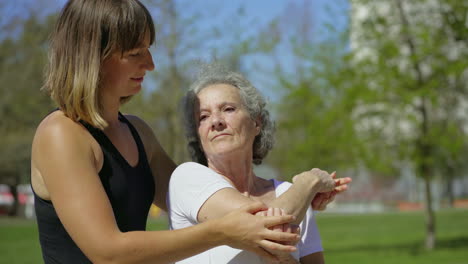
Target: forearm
{"type": "Point", "coordinates": [161, 246]}
{"type": "Point", "coordinates": [169, 246]}
{"type": "Point", "coordinates": [296, 200]}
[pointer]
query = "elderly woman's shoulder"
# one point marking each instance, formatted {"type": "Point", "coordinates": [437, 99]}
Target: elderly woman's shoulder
{"type": "Point", "coordinates": [187, 172]}
{"type": "Point", "coordinates": [191, 166]}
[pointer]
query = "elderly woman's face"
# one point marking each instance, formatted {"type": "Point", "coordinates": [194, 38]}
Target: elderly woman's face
{"type": "Point", "coordinates": [224, 124]}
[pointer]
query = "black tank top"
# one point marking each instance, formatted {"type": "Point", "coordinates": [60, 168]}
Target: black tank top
{"type": "Point", "coordinates": [130, 191]}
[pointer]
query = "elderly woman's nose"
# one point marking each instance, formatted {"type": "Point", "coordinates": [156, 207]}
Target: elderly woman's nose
{"type": "Point", "coordinates": [217, 121]}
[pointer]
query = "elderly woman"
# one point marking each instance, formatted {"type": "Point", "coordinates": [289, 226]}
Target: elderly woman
{"type": "Point", "coordinates": [229, 130]}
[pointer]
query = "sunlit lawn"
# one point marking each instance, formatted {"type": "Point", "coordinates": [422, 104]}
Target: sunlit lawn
{"type": "Point", "coordinates": [393, 238]}
{"type": "Point", "coordinates": [365, 238]}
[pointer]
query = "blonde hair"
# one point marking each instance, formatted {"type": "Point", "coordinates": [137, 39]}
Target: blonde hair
{"type": "Point", "coordinates": [86, 33]}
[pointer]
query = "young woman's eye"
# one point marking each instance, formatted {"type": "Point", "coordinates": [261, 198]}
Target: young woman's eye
{"type": "Point", "coordinates": [134, 53]}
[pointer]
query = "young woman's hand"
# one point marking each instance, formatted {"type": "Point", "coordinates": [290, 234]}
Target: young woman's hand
{"type": "Point", "coordinates": [247, 231]}
{"type": "Point", "coordinates": [282, 257]}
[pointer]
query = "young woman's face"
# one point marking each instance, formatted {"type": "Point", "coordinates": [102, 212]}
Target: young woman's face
{"type": "Point", "coordinates": [224, 124]}
{"type": "Point", "coordinates": [121, 76]}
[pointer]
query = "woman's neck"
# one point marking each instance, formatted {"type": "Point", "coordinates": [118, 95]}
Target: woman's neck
{"type": "Point", "coordinates": [110, 111]}
{"type": "Point", "coordinates": [240, 173]}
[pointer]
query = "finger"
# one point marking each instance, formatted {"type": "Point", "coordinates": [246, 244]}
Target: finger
{"type": "Point", "coordinates": [288, 229]}
{"type": "Point", "coordinates": [296, 229]}
{"type": "Point", "coordinates": [279, 237]}
{"type": "Point", "coordinates": [325, 201]}
{"type": "Point", "coordinates": [317, 205]}
{"type": "Point", "coordinates": [341, 188]}
{"type": "Point", "coordinates": [323, 205]}
{"type": "Point", "coordinates": [342, 181]}
{"type": "Point", "coordinates": [261, 213]}
{"type": "Point", "coordinates": [254, 207]}
{"type": "Point", "coordinates": [333, 175]}
{"type": "Point", "coordinates": [284, 226]}
{"type": "Point", "coordinates": [270, 221]}
{"type": "Point", "coordinates": [273, 246]}
{"type": "Point", "coordinates": [270, 212]}
{"type": "Point", "coordinates": [317, 201]}
{"type": "Point", "coordinates": [263, 253]}
{"type": "Point", "coordinates": [277, 212]}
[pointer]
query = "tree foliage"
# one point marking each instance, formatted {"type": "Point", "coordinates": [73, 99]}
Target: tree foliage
{"type": "Point", "coordinates": [22, 105]}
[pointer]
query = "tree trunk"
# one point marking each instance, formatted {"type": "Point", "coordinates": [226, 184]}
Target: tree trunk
{"type": "Point", "coordinates": [449, 190]}
{"type": "Point", "coordinates": [15, 206]}
{"type": "Point", "coordinates": [430, 218]}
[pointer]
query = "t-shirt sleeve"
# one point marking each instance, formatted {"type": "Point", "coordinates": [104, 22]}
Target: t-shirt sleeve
{"type": "Point", "coordinates": [190, 186]}
{"type": "Point", "coordinates": [310, 237]}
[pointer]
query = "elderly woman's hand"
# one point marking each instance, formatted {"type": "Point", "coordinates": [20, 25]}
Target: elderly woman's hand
{"type": "Point", "coordinates": [321, 180]}
{"type": "Point", "coordinates": [321, 200]}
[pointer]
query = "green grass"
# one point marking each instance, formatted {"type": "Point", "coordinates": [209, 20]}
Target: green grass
{"type": "Point", "coordinates": [393, 238]}
{"type": "Point", "coordinates": [19, 240]}
{"type": "Point", "coordinates": [367, 238]}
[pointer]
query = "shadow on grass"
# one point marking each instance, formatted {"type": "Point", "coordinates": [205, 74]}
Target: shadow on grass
{"type": "Point", "coordinates": [411, 248]}
{"type": "Point", "coordinates": [457, 242]}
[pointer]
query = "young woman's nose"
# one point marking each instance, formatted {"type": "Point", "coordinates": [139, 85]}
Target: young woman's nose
{"type": "Point", "coordinates": [148, 63]}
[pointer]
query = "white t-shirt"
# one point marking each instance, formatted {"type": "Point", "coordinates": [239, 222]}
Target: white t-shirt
{"type": "Point", "coordinates": [192, 184]}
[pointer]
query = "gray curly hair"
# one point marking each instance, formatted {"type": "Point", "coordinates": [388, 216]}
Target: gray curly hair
{"type": "Point", "coordinates": [251, 98]}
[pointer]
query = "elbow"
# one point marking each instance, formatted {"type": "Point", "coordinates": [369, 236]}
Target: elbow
{"type": "Point", "coordinates": [112, 252]}
{"type": "Point", "coordinates": [107, 258]}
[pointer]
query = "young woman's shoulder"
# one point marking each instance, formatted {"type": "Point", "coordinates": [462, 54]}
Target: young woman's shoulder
{"type": "Point", "coordinates": [138, 123]}
{"type": "Point", "coordinates": [56, 127]}
{"type": "Point", "coordinates": [59, 141]}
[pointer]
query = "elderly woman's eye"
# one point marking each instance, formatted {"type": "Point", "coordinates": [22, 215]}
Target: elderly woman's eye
{"type": "Point", "coordinates": [229, 109]}
{"type": "Point", "coordinates": [203, 117]}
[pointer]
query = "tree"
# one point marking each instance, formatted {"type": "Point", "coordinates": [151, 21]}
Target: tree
{"type": "Point", "coordinates": [315, 118]}
{"type": "Point", "coordinates": [180, 47]}
{"type": "Point", "coordinates": [412, 58]}
{"type": "Point", "coordinates": [175, 36]}
{"type": "Point", "coordinates": [22, 105]}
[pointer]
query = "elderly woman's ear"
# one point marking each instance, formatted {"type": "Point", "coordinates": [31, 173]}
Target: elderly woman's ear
{"type": "Point", "coordinates": [258, 126]}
